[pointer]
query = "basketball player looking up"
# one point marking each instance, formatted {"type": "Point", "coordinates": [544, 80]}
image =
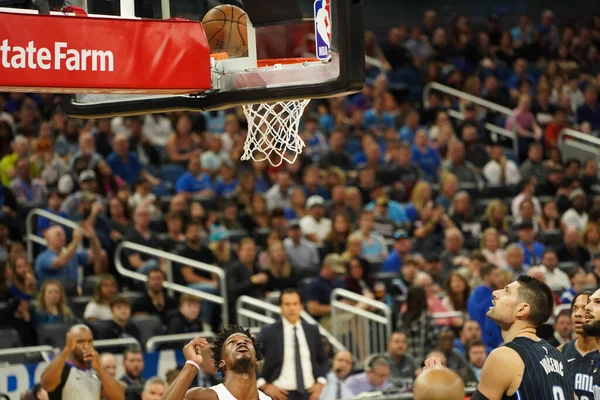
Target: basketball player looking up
{"type": "Point", "coordinates": [526, 367]}
{"type": "Point", "coordinates": [581, 353]}
{"type": "Point", "coordinates": [235, 356]}
{"type": "Point", "coordinates": [591, 327]}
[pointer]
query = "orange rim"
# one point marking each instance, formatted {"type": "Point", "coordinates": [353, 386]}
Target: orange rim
{"type": "Point", "coordinates": [285, 61]}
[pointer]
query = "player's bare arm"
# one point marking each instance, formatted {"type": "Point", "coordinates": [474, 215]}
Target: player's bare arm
{"type": "Point", "coordinates": [179, 388]}
{"type": "Point", "coordinates": [501, 374]}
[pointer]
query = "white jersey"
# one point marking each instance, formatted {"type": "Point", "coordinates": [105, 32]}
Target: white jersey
{"type": "Point", "coordinates": [224, 394]}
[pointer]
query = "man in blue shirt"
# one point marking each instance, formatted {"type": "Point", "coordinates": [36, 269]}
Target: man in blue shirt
{"type": "Point", "coordinates": [375, 377]}
{"type": "Point", "coordinates": [336, 388]}
{"type": "Point", "coordinates": [532, 249]}
{"type": "Point", "coordinates": [126, 164]}
{"type": "Point", "coordinates": [376, 117]}
{"type": "Point", "coordinates": [481, 300]}
{"type": "Point", "coordinates": [194, 182]}
{"type": "Point", "coordinates": [57, 262]}
{"type": "Point", "coordinates": [590, 111]}
{"type": "Point", "coordinates": [402, 246]}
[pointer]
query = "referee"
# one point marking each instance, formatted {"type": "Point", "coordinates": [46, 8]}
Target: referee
{"type": "Point", "coordinates": [76, 373]}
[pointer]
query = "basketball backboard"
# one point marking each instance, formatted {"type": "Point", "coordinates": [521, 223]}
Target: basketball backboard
{"type": "Point", "coordinates": [290, 32]}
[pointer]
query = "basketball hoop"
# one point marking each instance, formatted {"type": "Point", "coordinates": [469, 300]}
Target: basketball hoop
{"type": "Point", "coordinates": [273, 127]}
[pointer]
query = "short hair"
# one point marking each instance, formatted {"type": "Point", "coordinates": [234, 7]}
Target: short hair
{"type": "Point", "coordinates": [119, 300]}
{"type": "Point", "coordinates": [186, 297]}
{"type": "Point", "coordinates": [131, 350]}
{"type": "Point", "coordinates": [375, 361]}
{"type": "Point", "coordinates": [474, 343]}
{"type": "Point", "coordinates": [539, 297]}
{"type": "Point", "coordinates": [487, 269]}
{"type": "Point", "coordinates": [222, 337]}
{"type": "Point", "coordinates": [291, 290]}
{"type": "Point", "coordinates": [584, 293]}
{"type": "Point", "coordinates": [156, 269]}
{"type": "Point", "coordinates": [563, 313]}
{"type": "Point", "coordinates": [410, 260]}
{"type": "Point", "coordinates": [154, 381]}
{"type": "Point", "coordinates": [548, 251]}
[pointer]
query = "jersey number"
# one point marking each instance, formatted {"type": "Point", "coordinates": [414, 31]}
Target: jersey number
{"type": "Point", "coordinates": [558, 393]}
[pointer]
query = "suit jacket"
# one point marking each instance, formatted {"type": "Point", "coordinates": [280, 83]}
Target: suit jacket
{"type": "Point", "coordinates": [271, 339]}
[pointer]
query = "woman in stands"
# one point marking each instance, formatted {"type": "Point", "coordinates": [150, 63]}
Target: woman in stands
{"type": "Point", "coordinates": [183, 144]}
{"type": "Point", "coordinates": [246, 188]}
{"type": "Point", "coordinates": [590, 239]}
{"type": "Point", "coordinates": [257, 215]}
{"type": "Point", "coordinates": [496, 216]}
{"type": "Point", "coordinates": [51, 305]}
{"type": "Point", "coordinates": [491, 248]}
{"type": "Point", "coordinates": [119, 220]}
{"type": "Point", "coordinates": [280, 272]}
{"type": "Point", "coordinates": [419, 197]}
{"type": "Point", "coordinates": [23, 285]}
{"type": "Point", "coordinates": [549, 219]}
{"type": "Point", "coordinates": [99, 307]}
{"type": "Point", "coordinates": [456, 294]}
{"type": "Point", "coordinates": [336, 240]}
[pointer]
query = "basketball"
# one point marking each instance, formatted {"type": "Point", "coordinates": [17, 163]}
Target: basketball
{"type": "Point", "coordinates": [225, 28]}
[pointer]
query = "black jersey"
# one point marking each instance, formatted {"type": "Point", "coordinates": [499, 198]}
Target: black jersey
{"type": "Point", "coordinates": [547, 373]}
{"type": "Point", "coordinates": [582, 369]}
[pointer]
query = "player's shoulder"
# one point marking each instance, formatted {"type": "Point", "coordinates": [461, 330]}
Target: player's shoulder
{"type": "Point", "coordinates": [504, 355]}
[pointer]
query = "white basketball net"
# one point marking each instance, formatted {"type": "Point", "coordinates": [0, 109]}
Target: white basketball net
{"type": "Point", "coordinates": [273, 131]}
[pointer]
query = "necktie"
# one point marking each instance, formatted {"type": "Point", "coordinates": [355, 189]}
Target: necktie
{"type": "Point", "coordinates": [299, 377]}
{"type": "Point", "coordinates": [338, 390]}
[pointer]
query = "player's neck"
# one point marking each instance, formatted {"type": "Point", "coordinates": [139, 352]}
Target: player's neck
{"type": "Point", "coordinates": [584, 344]}
{"type": "Point", "coordinates": [242, 386]}
{"type": "Point", "coordinates": [519, 330]}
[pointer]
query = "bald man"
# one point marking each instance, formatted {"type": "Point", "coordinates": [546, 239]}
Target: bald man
{"type": "Point", "coordinates": [76, 373]}
{"type": "Point", "coordinates": [437, 382]}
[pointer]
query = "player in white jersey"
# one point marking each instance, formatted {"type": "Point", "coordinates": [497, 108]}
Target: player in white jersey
{"type": "Point", "coordinates": [235, 356]}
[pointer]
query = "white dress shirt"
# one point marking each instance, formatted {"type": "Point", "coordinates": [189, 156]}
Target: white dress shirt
{"type": "Point", "coordinates": [287, 379]}
{"type": "Point", "coordinates": [572, 219]}
{"type": "Point", "coordinates": [309, 226]}
{"type": "Point", "coordinates": [491, 171]}
{"type": "Point", "coordinates": [556, 279]}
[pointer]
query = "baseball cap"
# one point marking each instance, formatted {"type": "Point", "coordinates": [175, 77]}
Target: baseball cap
{"type": "Point", "coordinates": [401, 234]}
{"type": "Point", "coordinates": [315, 200]}
{"type": "Point", "coordinates": [524, 225]}
{"type": "Point", "coordinates": [336, 263]}
{"type": "Point", "coordinates": [575, 193]}
{"type": "Point", "coordinates": [218, 233]}
{"type": "Point", "coordinates": [87, 175]}
{"type": "Point", "coordinates": [294, 223]}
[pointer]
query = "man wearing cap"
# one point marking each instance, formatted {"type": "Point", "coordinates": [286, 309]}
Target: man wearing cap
{"type": "Point", "coordinates": [499, 170]}
{"type": "Point", "coordinates": [317, 294]}
{"type": "Point", "coordinates": [314, 225]}
{"type": "Point", "coordinates": [401, 249]}
{"type": "Point", "coordinates": [302, 254]}
{"type": "Point", "coordinates": [393, 210]}
{"type": "Point", "coordinates": [87, 184]}
{"type": "Point", "coordinates": [576, 217]}
{"type": "Point", "coordinates": [532, 249]}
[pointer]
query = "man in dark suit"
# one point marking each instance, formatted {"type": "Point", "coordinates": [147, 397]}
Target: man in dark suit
{"type": "Point", "coordinates": [295, 363]}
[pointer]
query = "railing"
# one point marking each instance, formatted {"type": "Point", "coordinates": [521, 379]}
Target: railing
{"type": "Point", "coordinates": [31, 235]}
{"type": "Point", "coordinates": [480, 102]}
{"type": "Point", "coordinates": [362, 331]}
{"type": "Point", "coordinates": [579, 141]}
{"type": "Point", "coordinates": [220, 300]}
{"type": "Point", "coordinates": [123, 342]}
{"type": "Point", "coordinates": [249, 316]}
{"type": "Point", "coordinates": [43, 350]}
{"type": "Point", "coordinates": [154, 341]}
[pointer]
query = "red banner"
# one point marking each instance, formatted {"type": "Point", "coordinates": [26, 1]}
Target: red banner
{"type": "Point", "coordinates": [74, 54]}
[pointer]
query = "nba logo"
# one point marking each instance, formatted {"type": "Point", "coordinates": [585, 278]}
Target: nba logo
{"type": "Point", "coordinates": [322, 28]}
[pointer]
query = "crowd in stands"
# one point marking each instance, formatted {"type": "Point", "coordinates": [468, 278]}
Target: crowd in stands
{"type": "Point", "coordinates": [390, 199]}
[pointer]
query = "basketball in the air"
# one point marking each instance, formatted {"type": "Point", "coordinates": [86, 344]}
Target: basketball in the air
{"type": "Point", "coordinates": [226, 31]}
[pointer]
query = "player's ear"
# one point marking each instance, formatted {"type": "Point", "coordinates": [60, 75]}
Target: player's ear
{"type": "Point", "coordinates": [523, 310]}
{"type": "Point", "coordinates": [222, 364]}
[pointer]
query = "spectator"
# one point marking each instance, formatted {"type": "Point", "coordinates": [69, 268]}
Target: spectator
{"type": "Point", "coordinates": [109, 363]}
{"type": "Point", "coordinates": [23, 285]}
{"type": "Point", "coordinates": [88, 185]}
{"type": "Point", "coordinates": [143, 196]}
{"type": "Point", "coordinates": [375, 377]}
{"type": "Point", "coordinates": [552, 130]}
{"type": "Point", "coordinates": [340, 229]}
{"type": "Point", "coordinates": [187, 320]}
{"type": "Point", "coordinates": [401, 249]}
{"type": "Point", "coordinates": [454, 360]}
{"type": "Point", "coordinates": [300, 370]}
{"type": "Point", "coordinates": [311, 183]}
{"type": "Point", "coordinates": [244, 277]}
{"type": "Point", "coordinates": [336, 387]}
{"type": "Point", "coordinates": [453, 250]}
{"type": "Point", "coordinates": [280, 272]}
{"type": "Point", "coordinates": [298, 205]}
{"type": "Point", "coordinates": [456, 294]}
{"type": "Point", "coordinates": [419, 326]}
{"type": "Point", "coordinates": [315, 226]}
{"type": "Point", "coordinates": [76, 371]}
{"type": "Point", "coordinates": [126, 164]}
{"type": "Point", "coordinates": [142, 235]}
{"type": "Point", "coordinates": [58, 262]}
{"type": "Point", "coordinates": [534, 166]}
{"type": "Point", "coordinates": [526, 188]}
{"type": "Point", "coordinates": [554, 277]}
{"type": "Point", "coordinates": [104, 292]}
{"type": "Point", "coordinates": [154, 389]}
{"type": "Point", "coordinates": [183, 144]}
{"type": "Point", "coordinates": [119, 220]}
{"type": "Point", "coordinates": [470, 331]}
{"type": "Point", "coordinates": [590, 111]}
{"type": "Point", "coordinates": [500, 170]}
{"type": "Point", "coordinates": [194, 182]}
{"type": "Point", "coordinates": [457, 164]}
{"type": "Point", "coordinates": [27, 190]}
{"type": "Point", "coordinates": [121, 325]}
{"type": "Point", "coordinates": [481, 300]}
{"type": "Point", "coordinates": [425, 156]}
{"type": "Point", "coordinates": [52, 305]}
{"type": "Point", "coordinates": [174, 237]}
{"type": "Point", "coordinates": [373, 245]}
{"type": "Point", "coordinates": [20, 146]}
{"type": "Point", "coordinates": [302, 254]}
{"type": "Point", "coordinates": [155, 301]}
{"type": "Point", "coordinates": [317, 293]}
{"type": "Point", "coordinates": [213, 156]}
{"type": "Point", "coordinates": [476, 355]}
{"type": "Point", "coordinates": [133, 363]}
{"type": "Point", "coordinates": [278, 196]}
{"type": "Point", "coordinates": [549, 219]}
{"type": "Point", "coordinates": [563, 329]}
{"type": "Point", "coordinates": [532, 249]}
{"type": "Point", "coordinates": [571, 250]}
{"type": "Point", "coordinates": [316, 143]}
{"type": "Point", "coordinates": [108, 184]}
{"type": "Point", "coordinates": [336, 156]}
{"type": "Point", "coordinates": [86, 153]}
{"type": "Point", "coordinates": [490, 248]}
{"type": "Point", "coordinates": [402, 366]}
{"type": "Point", "coordinates": [576, 217]}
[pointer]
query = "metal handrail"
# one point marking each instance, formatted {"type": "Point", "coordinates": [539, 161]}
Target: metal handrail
{"type": "Point", "coordinates": [447, 314]}
{"type": "Point", "coordinates": [220, 300]}
{"type": "Point", "coordinates": [31, 235]}
{"type": "Point", "coordinates": [277, 310]}
{"type": "Point", "coordinates": [29, 349]}
{"type": "Point", "coordinates": [578, 135]}
{"type": "Point", "coordinates": [116, 342]}
{"type": "Point", "coordinates": [579, 140]}
{"type": "Point", "coordinates": [155, 340]}
{"type": "Point", "coordinates": [475, 100]}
